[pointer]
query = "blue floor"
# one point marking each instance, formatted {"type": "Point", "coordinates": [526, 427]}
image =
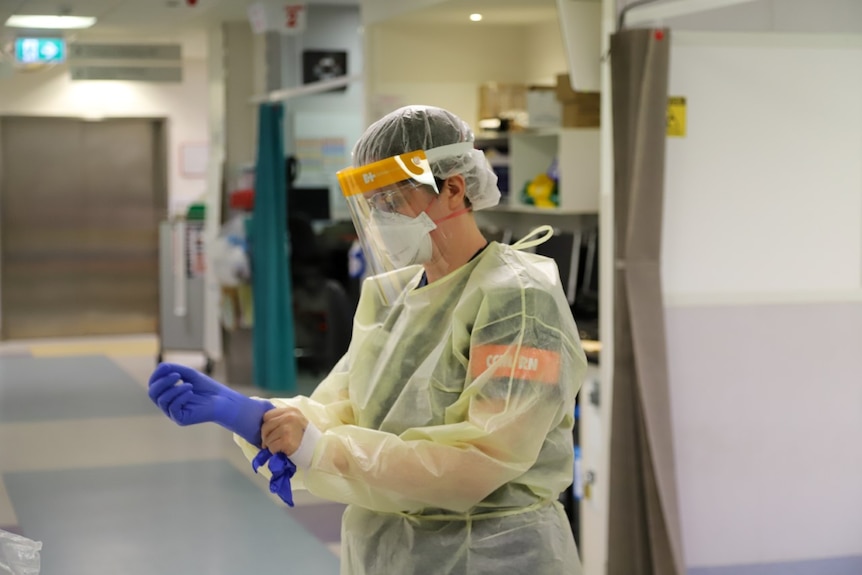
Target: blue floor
{"type": "Point", "coordinates": [176, 518]}
{"type": "Point", "coordinates": [183, 501]}
{"type": "Point", "coordinates": [45, 389]}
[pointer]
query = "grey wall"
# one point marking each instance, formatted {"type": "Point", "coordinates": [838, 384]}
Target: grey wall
{"type": "Point", "coordinates": [762, 274]}
{"type": "Point", "coordinates": [767, 412]}
{"type": "Point", "coordinates": [330, 115]}
{"type": "Point", "coordinates": [239, 86]}
{"type": "Point", "coordinates": [788, 16]}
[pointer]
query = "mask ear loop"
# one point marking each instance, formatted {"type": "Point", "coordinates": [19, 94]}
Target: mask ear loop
{"type": "Point", "coordinates": [526, 242]}
{"type": "Point", "coordinates": [454, 214]}
{"type": "Point", "coordinates": [460, 212]}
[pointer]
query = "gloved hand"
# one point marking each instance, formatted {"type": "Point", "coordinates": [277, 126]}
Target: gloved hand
{"type": "Point", "coordinates": [282, 469]}
{"type": "Point", "coordinates": [188, 397]}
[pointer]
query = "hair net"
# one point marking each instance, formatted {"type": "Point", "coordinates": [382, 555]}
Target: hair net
{"type": "Point", "coordinates": [424, 128]}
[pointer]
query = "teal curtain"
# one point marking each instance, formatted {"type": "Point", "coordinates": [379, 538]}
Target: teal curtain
{"type": "Point", "coordinates": [274, 359]}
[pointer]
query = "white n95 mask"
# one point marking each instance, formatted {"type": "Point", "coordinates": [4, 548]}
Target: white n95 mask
{"type": "Point", "coordinates": [405, 239]}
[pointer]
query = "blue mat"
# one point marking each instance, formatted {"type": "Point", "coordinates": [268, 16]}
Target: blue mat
{"type": "Point", "coordinates": [197, 518]}
{"type": "Point", "coordinates": [44, 389]}
{"type": "Point", "coordinates": [321, 520]}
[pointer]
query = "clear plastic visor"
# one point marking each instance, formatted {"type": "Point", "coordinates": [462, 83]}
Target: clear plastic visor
{"type": "Point", "coordinates": [387, 202]}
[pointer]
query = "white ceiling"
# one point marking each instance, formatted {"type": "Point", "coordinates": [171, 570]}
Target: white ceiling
{"type": "Point", "coordinates": [132, 15]}
{"type": "Point", "coordinates": [494, 12]}
{"type": "Point", "coordinates": [143, 17]}
{"type": "Point", "coordinates": [499, 12]}
{"type": "Point", "coordinates": [169, 17]}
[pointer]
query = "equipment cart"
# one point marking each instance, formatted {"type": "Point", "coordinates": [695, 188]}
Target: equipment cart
{"type": "Point", "coordinates": [182, 268]}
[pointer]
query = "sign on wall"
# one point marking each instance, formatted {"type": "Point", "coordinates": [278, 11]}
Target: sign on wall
{"type": "Point", "coordinates": [320, 65]}
{"type": "Point", "coordinates": [40, 50]}
{"type": "Point", "coordinates": [676, 117]}
{"type": "Point", "coordinates": [284, 17]}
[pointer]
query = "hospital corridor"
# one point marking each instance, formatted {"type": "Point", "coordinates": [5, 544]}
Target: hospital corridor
{"type": "Point", "coordinates": [92, 468]}
{"type": "Point", "coordinates": [430, 287]}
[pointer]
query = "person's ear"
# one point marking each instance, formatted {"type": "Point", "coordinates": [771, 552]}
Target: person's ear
{"type": "Point", "coordinates": [454, 192]}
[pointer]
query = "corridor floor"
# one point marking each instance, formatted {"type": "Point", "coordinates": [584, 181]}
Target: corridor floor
{"type": "Point", "coordinates": [93, 470]}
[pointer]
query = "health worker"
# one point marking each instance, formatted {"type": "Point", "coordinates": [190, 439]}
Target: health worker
{"type": "Point", "coordinates": [446, 428]}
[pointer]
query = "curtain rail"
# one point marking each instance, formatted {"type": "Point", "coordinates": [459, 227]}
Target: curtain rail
{"type": "Point", "coordinates": [305, 90]}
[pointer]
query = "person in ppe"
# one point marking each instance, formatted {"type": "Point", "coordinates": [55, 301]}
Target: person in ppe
{"type": "Point", "coordinates": [447, 425]}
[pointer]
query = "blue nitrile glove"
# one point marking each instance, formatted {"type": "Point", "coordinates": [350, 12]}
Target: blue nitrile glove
{"type": "Point", "coordinates": [282, 469]}
{"type": "Point", "coordinates": [188, 397]}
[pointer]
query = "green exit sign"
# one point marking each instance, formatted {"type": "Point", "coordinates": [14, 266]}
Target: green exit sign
{"type": "Point", "coordinates": [40, 50]}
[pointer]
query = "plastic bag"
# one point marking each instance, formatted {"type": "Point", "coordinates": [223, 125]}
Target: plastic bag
{"type": "Point", "coordinates": [231, 263]}
{"type": "Point", "coordinates": [19, 555]}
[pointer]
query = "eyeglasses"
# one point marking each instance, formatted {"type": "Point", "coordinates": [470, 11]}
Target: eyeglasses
{"type": "Point", "coordinates": [394, 199]}
{"type": "Point", "coordinates": [388, 201]}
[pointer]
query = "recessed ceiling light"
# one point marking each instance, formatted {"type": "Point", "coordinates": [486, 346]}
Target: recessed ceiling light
{"type": "Point", "coordinates": [476, 17]}
{"type": "Point", "coordinates": [50, 22]}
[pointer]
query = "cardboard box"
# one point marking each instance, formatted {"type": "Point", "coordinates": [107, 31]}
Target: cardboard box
{"type": "Point", "coordinates": [580, 109]}
{"type": "Point", "coordinates": [501, 100]}
{"type": "Point", "coordinates": [544, 110]}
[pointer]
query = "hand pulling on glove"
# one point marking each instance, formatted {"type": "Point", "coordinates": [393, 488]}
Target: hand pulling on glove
{"type": "Point", "coordinates": [189, 397]}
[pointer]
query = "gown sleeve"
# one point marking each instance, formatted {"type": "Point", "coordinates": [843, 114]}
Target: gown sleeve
{"type": "Point", "coordinates": [523, 366]}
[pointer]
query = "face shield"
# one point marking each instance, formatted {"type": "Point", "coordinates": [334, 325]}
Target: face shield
{"type": "Point", "coordinates": [389, 201]}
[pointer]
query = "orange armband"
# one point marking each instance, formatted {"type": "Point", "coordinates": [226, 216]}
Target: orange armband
{"type": "Point", "coordinates": [539, 365]}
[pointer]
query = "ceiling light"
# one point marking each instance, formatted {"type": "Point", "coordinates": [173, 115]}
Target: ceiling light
{"type": "Point", "coordinates": [475, 17]}
{"type": "Point", "coordinates": [50, 22]}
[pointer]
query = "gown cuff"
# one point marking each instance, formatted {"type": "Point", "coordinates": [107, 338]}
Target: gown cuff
{"type": "Point", "coordinates": [302, 456]}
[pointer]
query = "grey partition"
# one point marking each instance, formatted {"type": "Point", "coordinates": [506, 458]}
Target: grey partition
{"type": "Point", "coordinates": [644, 532]}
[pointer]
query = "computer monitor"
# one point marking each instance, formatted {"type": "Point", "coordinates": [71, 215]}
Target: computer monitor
{"type": "Point", "coordinates": [577, 258]}
{"type": "Point", "coordinates": [562, 248]}
{"type": "Point", "coordinates": [587, 299]}
{"type": "Point", "coordinates": [310, 203]}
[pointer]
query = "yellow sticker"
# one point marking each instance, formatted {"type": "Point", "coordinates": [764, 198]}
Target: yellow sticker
{"type": "Point", "coordinates": [676, 121]}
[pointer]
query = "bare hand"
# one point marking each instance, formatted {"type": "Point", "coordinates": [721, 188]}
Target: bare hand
{"type": "Point", "coordinates": [283, 429]}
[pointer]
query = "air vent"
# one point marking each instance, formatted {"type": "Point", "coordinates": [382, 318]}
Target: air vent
{"type": "Point", "coordinates": [128, 62]}
{"type": "Point", "coordinates": [128, 73]}
{"type": "Point", "coordinates": [125, 51]}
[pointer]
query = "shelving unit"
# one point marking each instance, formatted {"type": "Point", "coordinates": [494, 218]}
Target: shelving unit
{"type": "Point", "coordinates": [577, 152]}
{"type": "Point", "coordinates": [530, 153]}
